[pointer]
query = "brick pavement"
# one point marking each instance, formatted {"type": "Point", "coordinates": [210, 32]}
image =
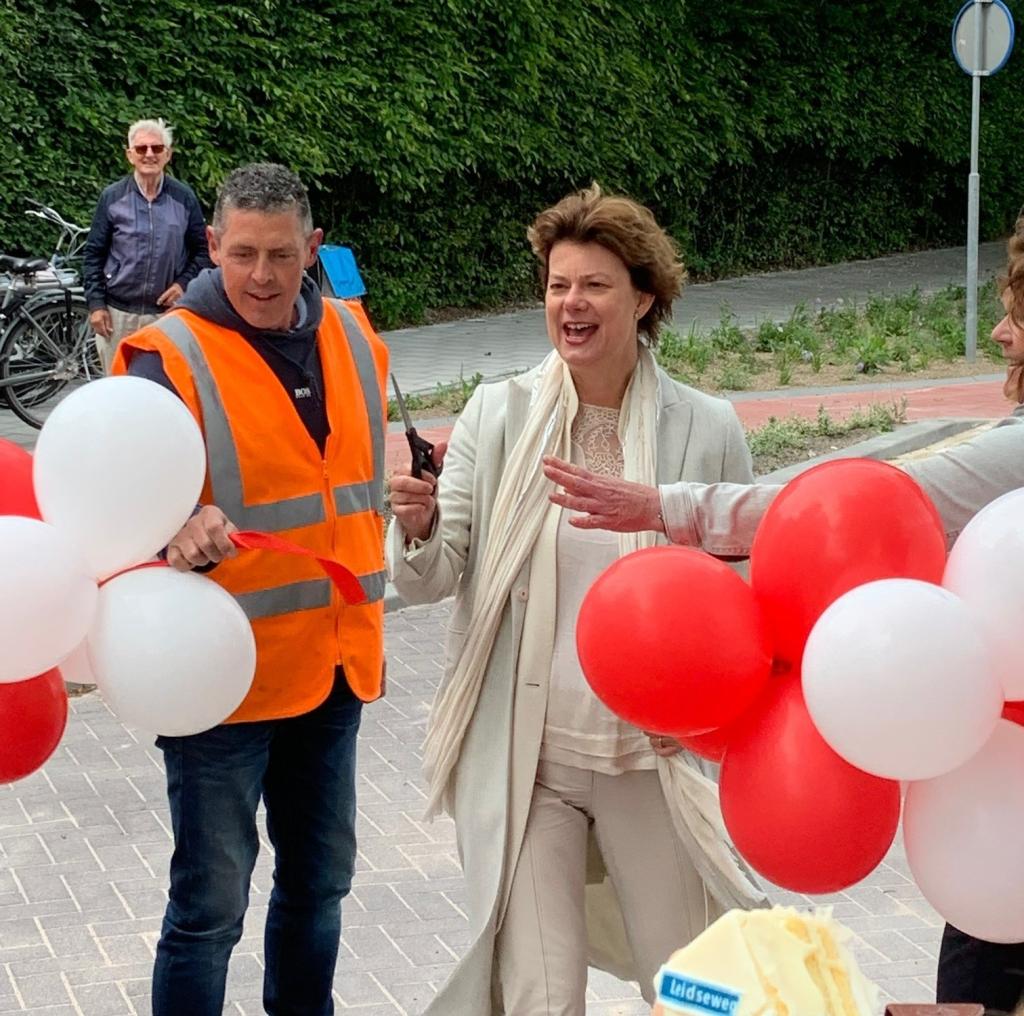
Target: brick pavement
{"type": "Point", "coordinates": [84, 847]}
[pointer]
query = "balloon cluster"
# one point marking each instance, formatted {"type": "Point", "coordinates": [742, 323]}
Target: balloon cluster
{"type": "Point", "coordinates": [857, 659]}
{"type": "Point", "coordinates": [117, 471]}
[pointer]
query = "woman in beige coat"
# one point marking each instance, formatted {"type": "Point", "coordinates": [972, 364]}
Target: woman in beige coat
{"type": "Point", "coordinates": [582, 839]}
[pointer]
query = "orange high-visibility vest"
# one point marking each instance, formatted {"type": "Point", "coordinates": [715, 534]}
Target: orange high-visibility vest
{"type": "Point", "coordinates": [266, 473]}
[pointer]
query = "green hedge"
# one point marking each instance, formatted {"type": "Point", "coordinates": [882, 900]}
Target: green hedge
{"type": "Point", "coordinates": [431, 131]}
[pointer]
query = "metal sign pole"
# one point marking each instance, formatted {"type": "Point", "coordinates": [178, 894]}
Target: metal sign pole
{"type": "Point", "coordinates": [980, 55]}
{"type": "Point", "coordinates": [973, 191]}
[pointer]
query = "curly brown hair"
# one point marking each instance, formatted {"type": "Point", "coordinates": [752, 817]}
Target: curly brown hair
{"type": "Point", "coordinates": [630, 232]}
{"type": "Point", "coordinates": [1013, 280]}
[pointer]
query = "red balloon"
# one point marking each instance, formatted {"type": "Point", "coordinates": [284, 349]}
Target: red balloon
{"type": "Point", "coordinates": [835, 527]}
{"type": "Point", "coordinates": [17, 496]}
{"type": "Point", "coordinates": [711, 744]}
{"type": "Point", "coordinates": [1014, 711]}
{"type": "Point", "coordinates": [802, 816]}
{"type": "Point", "coordinates": [33, 714]}
{"type": "Point", "coordinates": [672, 641]}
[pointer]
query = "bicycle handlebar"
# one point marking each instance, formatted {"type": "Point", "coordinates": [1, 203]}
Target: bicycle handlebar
{"type": "Point", "coordinates": [51, 215]}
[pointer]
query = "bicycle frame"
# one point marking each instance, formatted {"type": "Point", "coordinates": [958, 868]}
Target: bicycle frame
{"type": "Point", "coordinates": [18, 306]}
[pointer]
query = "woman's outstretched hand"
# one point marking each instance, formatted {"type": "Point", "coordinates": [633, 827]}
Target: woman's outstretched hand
{"type": "Point", "coordinates": [413, 501]}
{"type": "Point", "coordinates": [604, 501]}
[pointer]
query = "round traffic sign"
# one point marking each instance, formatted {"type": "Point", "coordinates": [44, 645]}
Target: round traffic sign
{"type": "Point", "coordinates": [996, 36]}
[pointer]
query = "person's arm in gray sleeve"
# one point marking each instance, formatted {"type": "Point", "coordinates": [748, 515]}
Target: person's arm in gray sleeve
{"type": "Point", "coordinates": [720, 518]}
{"type": "Point", "coordinates": [963, 479]}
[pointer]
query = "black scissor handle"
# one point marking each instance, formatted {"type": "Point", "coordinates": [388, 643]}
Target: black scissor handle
{"type": "Point", "coordinates": [422, 455]}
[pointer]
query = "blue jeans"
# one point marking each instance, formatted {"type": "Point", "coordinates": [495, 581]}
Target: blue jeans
{"type": "Point", "coordinates": [304, 769]}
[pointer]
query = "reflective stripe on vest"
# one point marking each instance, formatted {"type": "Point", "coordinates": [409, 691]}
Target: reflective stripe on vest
{"type": "Point", "coordinates": [308, 595]}
{"type": "Point", "coordinates": [358, 497]}
{"type": "Point", "coordinates": [284, 599]}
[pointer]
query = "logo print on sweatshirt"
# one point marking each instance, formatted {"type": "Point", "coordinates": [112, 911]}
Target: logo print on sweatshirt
{"type": "Point", "coordinates": [303, 393]}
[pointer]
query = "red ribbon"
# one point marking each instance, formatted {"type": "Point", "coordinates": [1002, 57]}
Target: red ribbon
{"type": "Point", "coordinates": [346, 582]}
{"type": "Point", "coordinates": [134, 567]}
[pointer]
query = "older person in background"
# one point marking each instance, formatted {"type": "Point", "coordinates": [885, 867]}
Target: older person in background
{"type": "Point", "coordinates": [147, 241]}
{"type": "Point", "coordinates": [569, 843]}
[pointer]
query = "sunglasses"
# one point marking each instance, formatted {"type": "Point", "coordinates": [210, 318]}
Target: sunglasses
{"type": "Point", "coordinates": [142, 149]}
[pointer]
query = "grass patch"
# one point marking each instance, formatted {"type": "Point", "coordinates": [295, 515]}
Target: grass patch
{"type": "Point", "coordinates": [783, 441]}
{"type": "Point", "coordinates": [898, 334]}
{"type": "Point", "coordinates": [445, 400]}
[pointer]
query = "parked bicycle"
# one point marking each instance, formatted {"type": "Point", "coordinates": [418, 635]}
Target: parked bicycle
{"type": "Point", "coordinates": [46, 343]}
{"type": "Point", "coordinates": [66, 259]}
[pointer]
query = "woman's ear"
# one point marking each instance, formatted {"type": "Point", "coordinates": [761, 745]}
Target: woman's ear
{"type": "Point", "coordinates": [643, 305]}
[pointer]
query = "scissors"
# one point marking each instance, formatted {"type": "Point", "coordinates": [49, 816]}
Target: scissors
{"type": "Point", "coordinates": [422, 450]}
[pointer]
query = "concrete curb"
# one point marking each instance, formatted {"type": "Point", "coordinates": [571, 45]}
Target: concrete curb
{"type": "Point", "coordinates": [910, 437]}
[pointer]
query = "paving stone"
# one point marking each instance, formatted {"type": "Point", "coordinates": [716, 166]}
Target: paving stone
{"type": "Point", "coordinates": [17, 933]}
{"type": "Point", "coordinates": [411, 998]}
{"type": "Point", "coordinates": [51, 1010]}
{"type": "Point", "coordinates": [895, 945]}
{"type": "Point", "coordinates": [898, 989]}
{"type": "Point", "coordinates": [245, 978]}
{"type": "Point", "coordinates": [889, 970]}
{"type": "Point", "coordinates": [360, 989]}
{"type": "Point", "coordinates": [132, 977]}
{"type": "Point", "coordinates": [40, 990]}
{"type": "Point", "coordinates": [422, 949]}
{"type": "Point", "coordinates": [68, 942]}
{"type": "Point", "coordinates": [101, 1000]}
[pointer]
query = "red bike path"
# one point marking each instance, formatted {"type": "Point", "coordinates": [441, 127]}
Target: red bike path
{"type": "Point", "coordinates": [982, 400]}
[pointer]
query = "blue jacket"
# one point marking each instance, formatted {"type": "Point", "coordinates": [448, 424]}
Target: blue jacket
{"type": "Point", "coordinates": [136, 249]}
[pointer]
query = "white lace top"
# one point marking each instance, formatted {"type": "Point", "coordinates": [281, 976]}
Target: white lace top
{"type": "Point", "coordinates": [578, 729]}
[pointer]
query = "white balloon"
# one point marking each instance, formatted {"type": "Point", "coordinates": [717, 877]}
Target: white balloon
{"type": "Point", "coordinates": [118, 467]}
{"type": "Point", "coordinates": [963, 833]}
{"type": "Point", "coordinates": [986, 569]}
{"type": "Point", "coordinates": [900, 681]}
{"type": "Point", "coordinates": [173, 653]}
{"type": "Point", "coordinates": [47, 597]}
{"type": "Point", "coordinates": [77, 668]}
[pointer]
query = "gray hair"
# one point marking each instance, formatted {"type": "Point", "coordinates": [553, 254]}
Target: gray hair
{"type": "Point", "coordinates": [263, 187]}
{"type": "Point", "coordinates": [157, 126]}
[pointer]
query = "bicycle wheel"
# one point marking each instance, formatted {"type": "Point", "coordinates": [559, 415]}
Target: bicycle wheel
{"type": "Point", "coordinates": [46, 354]}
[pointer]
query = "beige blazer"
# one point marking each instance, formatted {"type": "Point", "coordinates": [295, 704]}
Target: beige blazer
{"type": "Point", "coordinates": [699, 439]}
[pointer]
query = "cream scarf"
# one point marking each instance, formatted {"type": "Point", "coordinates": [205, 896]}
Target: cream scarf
{"type": "Point", "coordinates": [520, 507]}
